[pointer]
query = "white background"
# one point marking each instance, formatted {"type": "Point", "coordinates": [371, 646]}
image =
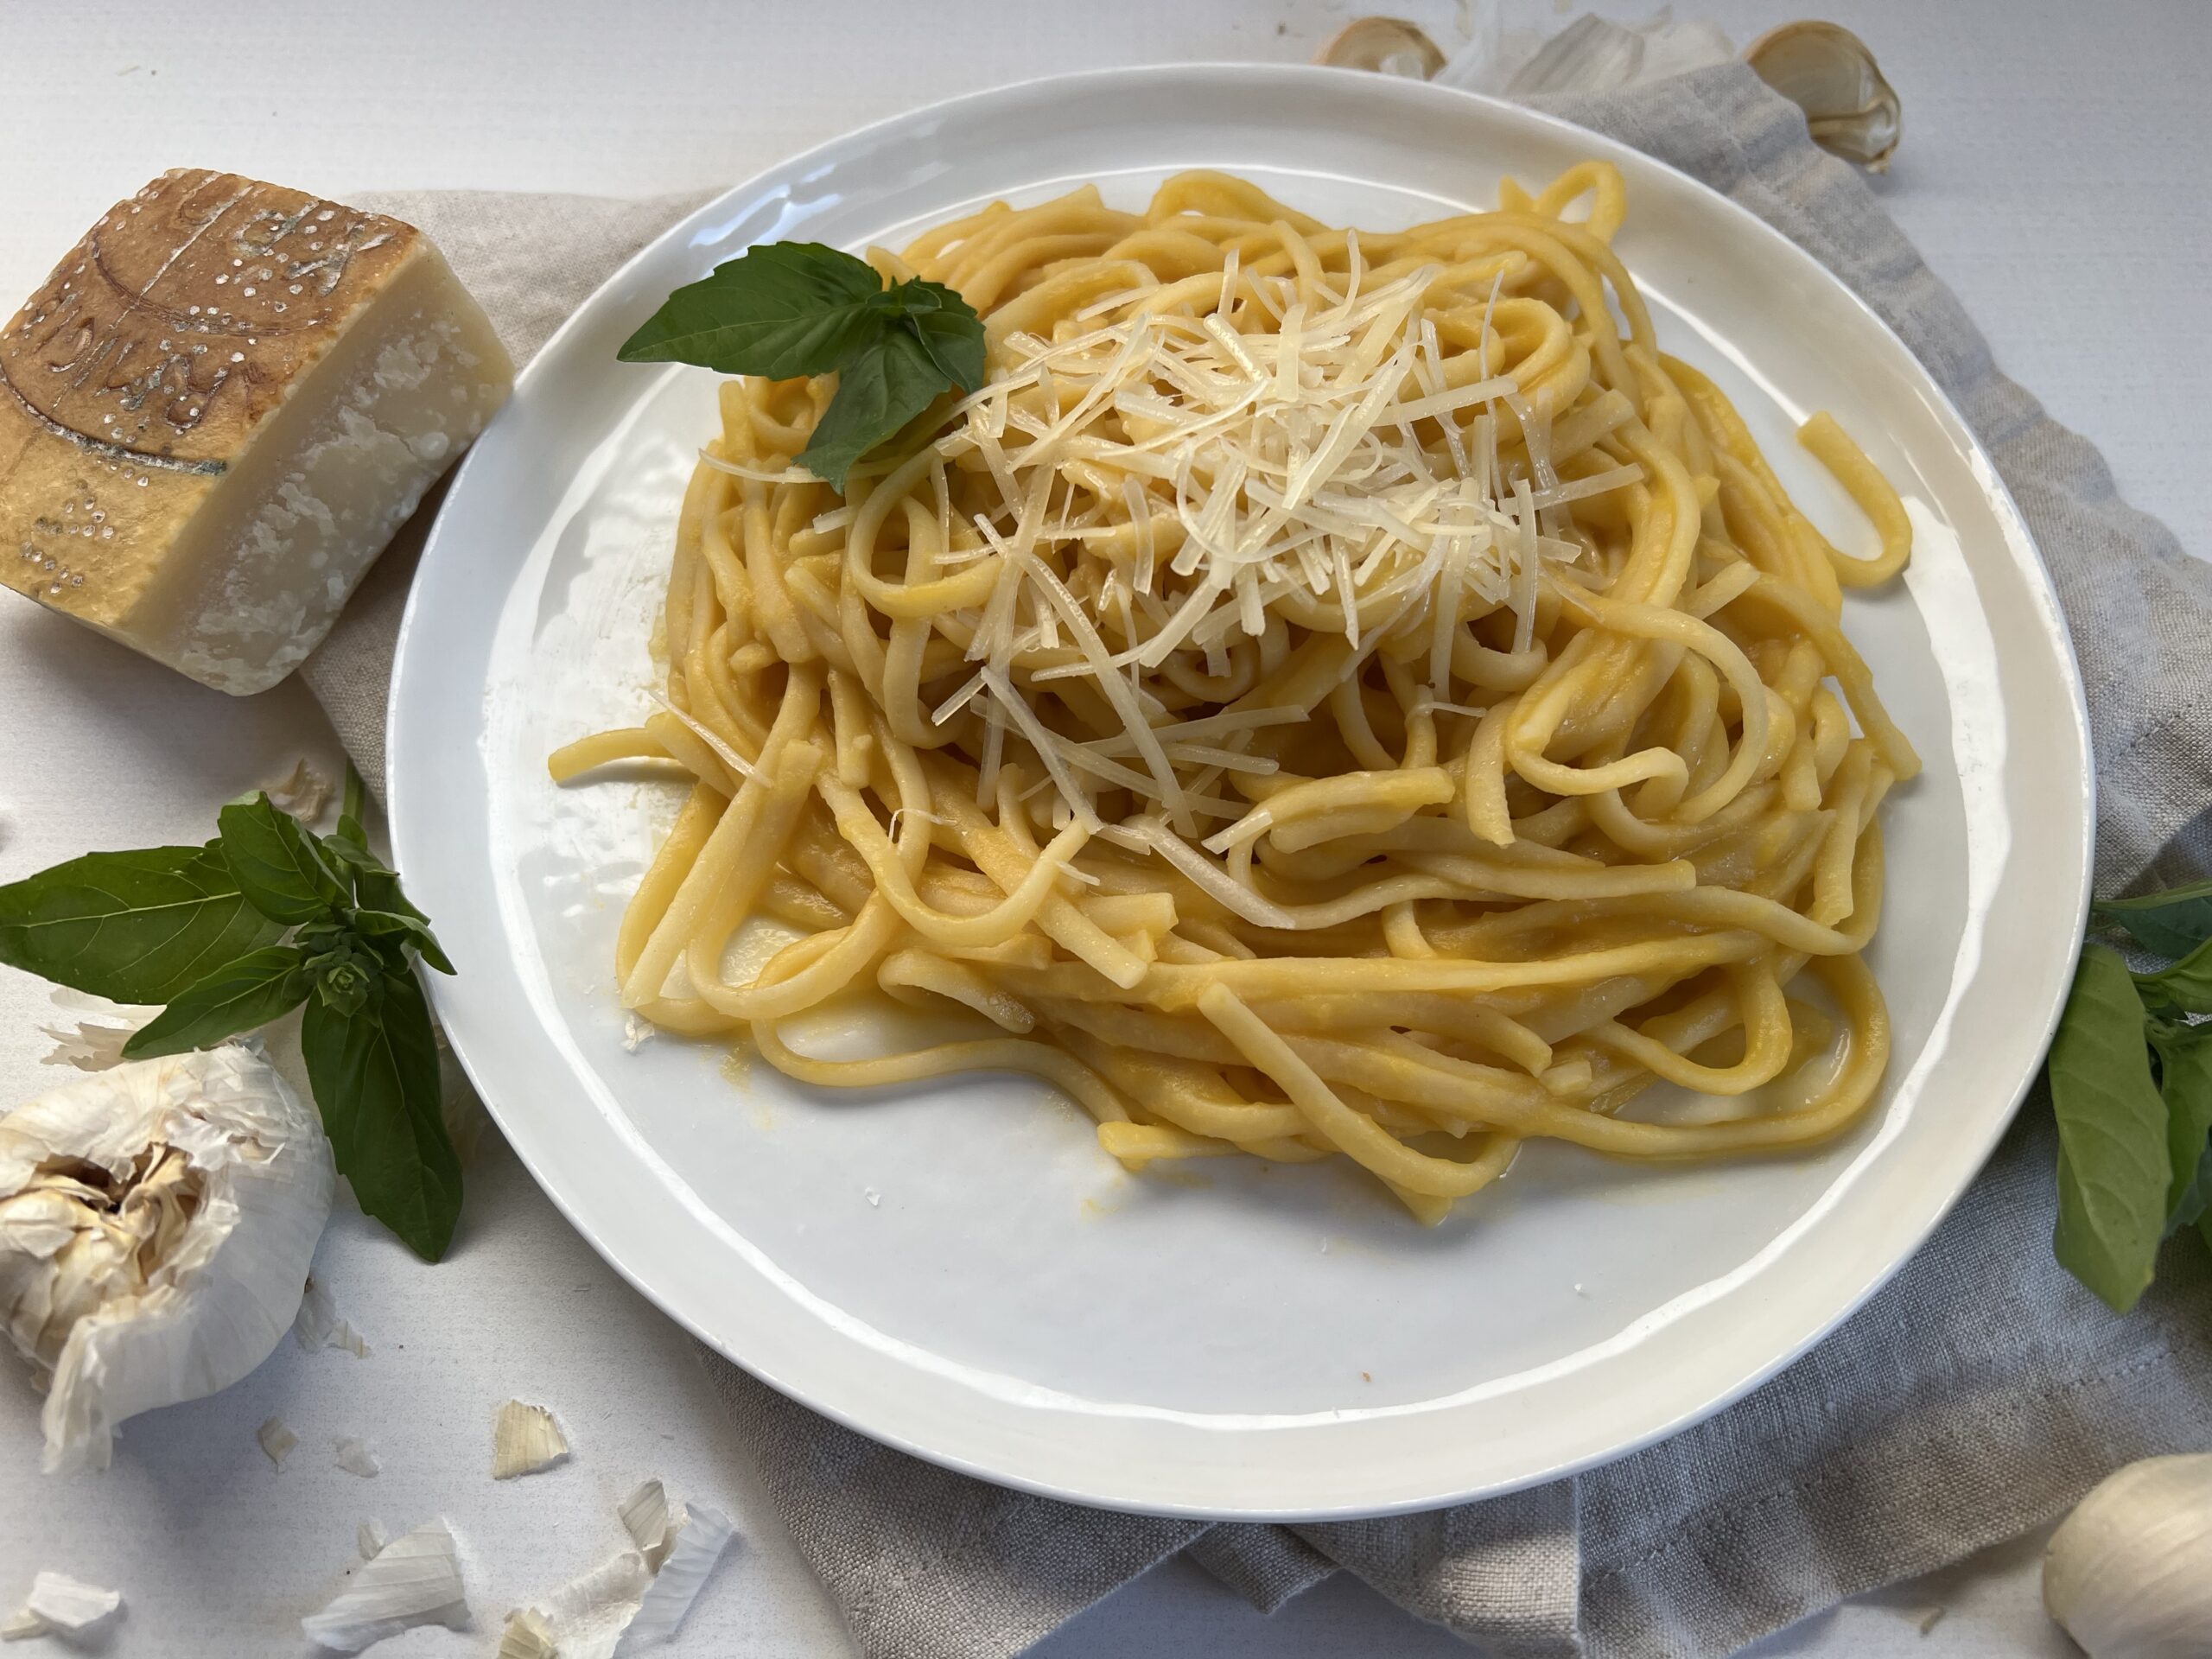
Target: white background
{"type": "Point", "coordinates": [2054, 170]}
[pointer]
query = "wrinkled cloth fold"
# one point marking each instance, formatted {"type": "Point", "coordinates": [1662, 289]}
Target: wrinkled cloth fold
{"type": "Point", "coordinates": [1973, 1398]}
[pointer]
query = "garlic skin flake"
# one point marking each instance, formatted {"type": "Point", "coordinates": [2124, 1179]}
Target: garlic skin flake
{"type": "Point", "coordinates": [524, 1440]}
{"type": "Point", "coordinates": [66, 1606]}
{"type": "Point", "coordinates": [318, 1325]}
{"type": "Point", "coordinates": [645, 1518]}
{"type": "Point", "coordinates": [278, 1441]}
{"type": "Point", "coordinates": [527, 1636]}
{"type": "Point", "coordinates": [702, 1537]}
{"type": "Point", "coordinates": [303, 792]}
{"type": "Point", "coordinates": [22, 1625]}
{"type": "Point", "coordinates": [355, 1457]}
{"type": "Point", "coordinates": [156, 1222]}
{"type": "Point", "coordinates": [414, 1579]}
{"type": "Point", "coordinates": [2128, 1574]}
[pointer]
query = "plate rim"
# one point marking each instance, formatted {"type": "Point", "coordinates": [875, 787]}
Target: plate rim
{"type": "Point", "coordinates": [2019, 538]}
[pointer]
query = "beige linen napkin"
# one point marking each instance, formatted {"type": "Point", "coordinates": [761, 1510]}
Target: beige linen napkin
{"type": "Point", "coordinates": [1975, 1396]}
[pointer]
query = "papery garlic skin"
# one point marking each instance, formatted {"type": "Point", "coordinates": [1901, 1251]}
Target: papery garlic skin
{"type": "Point", "coordinates": [2128, 1574]}
{"type": "Point", "coordinates": [157, 1223]}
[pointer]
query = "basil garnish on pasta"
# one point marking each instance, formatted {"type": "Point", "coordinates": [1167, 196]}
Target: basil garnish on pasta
{"type": "Point", "coordinates": [785, 310]}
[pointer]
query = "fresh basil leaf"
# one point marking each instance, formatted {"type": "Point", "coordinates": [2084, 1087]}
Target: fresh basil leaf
{"type": "Point", "coordinates": [135, 926]}
{"type": "Point", "coordinates": [877, 394]}
{"type": "Point", "coordinates": [375, 1075]}
{"type": "Point", "coordinates": [952, 335]}
{"type": "Point", "coordinates": [2185, 1080]}
{"type": "Point", "coordinates": [2194, 1199]}
{"type": "Point", "coordinates": [2113, 1169]}
{"type": "Point", "coordinates": [409, 926]}
{"type": "Point", "coordinates": [349, 812]}
{"type": "Point", "coordinates": [2173, 923]}
{"type": "Point", "coordinates": [261, 986]}
{"type": "Point", "coordinates": [346, 971]}
{"type": "Point", "coordinates": [278, 864]}
{"type": "Point", "coordinates": [781, 309]}
{"type": "Point", "coordinates": [353, 858]}
{"type": "Point", "coordinates": [2186, 984]}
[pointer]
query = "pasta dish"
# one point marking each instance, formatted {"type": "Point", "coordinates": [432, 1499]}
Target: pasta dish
{"type": "Point", "coordinates": [1326, 693]}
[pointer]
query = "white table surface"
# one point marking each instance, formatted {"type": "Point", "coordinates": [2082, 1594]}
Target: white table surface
{"type": "Point", "coordinates": [2053, 171]}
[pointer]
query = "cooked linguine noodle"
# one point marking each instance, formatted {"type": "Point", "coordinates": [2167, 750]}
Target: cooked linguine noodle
{"type": "Point", "coordinates": [1327, 693]}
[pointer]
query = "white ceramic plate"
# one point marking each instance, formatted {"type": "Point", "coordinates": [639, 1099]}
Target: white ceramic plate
{"type": "Point", "coordinates": [958, 1270]}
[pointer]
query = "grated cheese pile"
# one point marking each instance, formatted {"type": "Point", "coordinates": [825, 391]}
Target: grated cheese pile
{"type": "Point", "coordinates": [1166, 482]}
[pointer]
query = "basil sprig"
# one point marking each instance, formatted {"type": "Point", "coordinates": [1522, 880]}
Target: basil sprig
{"type": "Point", "coordinates": [230, 935]}
{"type": "Point", "coordinates": [785, 310]}
{"type": "Point", "coordinates": [2131, 1081]}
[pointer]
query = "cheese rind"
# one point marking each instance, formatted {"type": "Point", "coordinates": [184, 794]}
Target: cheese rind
{"type": "Point", "coordinates": [218, 411]}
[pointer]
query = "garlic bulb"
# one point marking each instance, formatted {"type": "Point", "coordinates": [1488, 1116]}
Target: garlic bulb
{"type": "Point", "coordinates": [1827, 70]}
{"type": "Point", "coordinates": [2129, 1573]}
{"type": "Point", "coordinates": [156, 1222]}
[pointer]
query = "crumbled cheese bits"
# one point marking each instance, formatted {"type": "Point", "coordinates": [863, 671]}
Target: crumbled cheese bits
{"type": "Point", "coordinates": [1326, 694]}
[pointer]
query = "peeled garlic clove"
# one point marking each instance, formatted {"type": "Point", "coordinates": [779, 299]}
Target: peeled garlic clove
{"type": "Point", "coordinates": [156, 1222]}
{"type": "Point", "coordinates": [1827, 70]}
{"type": "Point", "coordinates": [2128, 1574]}
{"type": "Point", "coordinates": [414, 1579]}
{"type": "Point", "coordinates": [525, 1439]}
{"type": "Point", "coordinates": [1388, 45]}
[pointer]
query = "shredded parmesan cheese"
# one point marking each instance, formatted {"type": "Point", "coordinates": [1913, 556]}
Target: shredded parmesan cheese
{"type": "Point", "coordinates": [1224, 472]}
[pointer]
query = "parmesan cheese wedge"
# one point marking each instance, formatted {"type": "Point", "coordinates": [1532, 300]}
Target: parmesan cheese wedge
{"type": "Point", "coordinates": [219, 409]}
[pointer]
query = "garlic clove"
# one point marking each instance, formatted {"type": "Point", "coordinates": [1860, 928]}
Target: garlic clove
{"type": "Point", "coordinates": [156, 1222]}
{"type": "Point", "coordinates": [1827, 70]}
{"type": "Point", "coordinates": [66, 1606]}
{"type": "Point", "coordinates": [2128, 1574]}
{"type": "Point", "coordinates": [1389, 46]}
{"type": "Point", "coordinates": [414, 1579]}
{"type": "Point", "coordinates": [525, 1439]}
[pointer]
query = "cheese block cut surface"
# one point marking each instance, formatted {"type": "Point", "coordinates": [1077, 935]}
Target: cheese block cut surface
{"type": "Point", "coordinates": [218, 411]}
